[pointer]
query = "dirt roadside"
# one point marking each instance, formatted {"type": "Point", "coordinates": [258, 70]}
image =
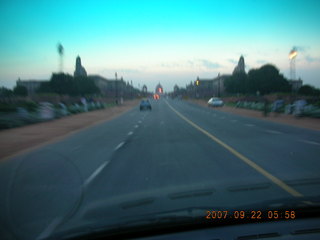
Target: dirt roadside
{"type": "Point", "coordinates": [305, 122]}
{"type": "Point", "coordinates": [23, 139]}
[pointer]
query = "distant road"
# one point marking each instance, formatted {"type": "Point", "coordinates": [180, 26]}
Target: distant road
{"type": "Point", "coordinates": [178, 145]}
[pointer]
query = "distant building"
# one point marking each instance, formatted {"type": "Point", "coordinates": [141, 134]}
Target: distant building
{"type": "Point", "coordinates": [31, 85]}
{"type": "Point", "coordinates": [295, 84]}
{"type": "Point", "coordinates": [101, 82]}
{"type": "Point", "coordinates": [218, 85]}
{"type": "Point", "coordinates": [80, 70]}
{"type": "Point", "coordinates": [111, 87]}
{"type": "Point", "coordinates": [159, 89]}
{"type": "Point", "coordinates": [144, 89]}
{"type": "Point", "coordinates": [211, 87]}
{"type": "Point", "coordinates": [240, 68]}
{"type": "Point", "coordinates": [215, 86]}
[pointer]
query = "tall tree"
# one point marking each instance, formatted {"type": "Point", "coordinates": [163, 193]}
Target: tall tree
{"type": "Point", "coordinates": [20, 91]}
{"type": "Point", "coordinates": [309, 90]}
{"type": "Point", "coordinates": [6, 92]}
{"type": "Point", "coordinates": [237, 83]}
{"type": "Point", "coordinates": [267, 79]}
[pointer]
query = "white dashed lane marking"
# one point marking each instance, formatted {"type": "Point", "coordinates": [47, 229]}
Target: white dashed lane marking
{"type": "Point", "coordinates": [249, 125]}
{"type": "Point", "coordinates": [95, 173]}
{"type": "Point", "coordinates": [119, 146]}
{"type": "Point", "coordinates": [310, 142]}
{"type": "Point", "coordinates": [234, 120]}
{"type": "Point", "coordinates": [136, 126]}
{"type": "Point", "coordinates": [130, 133]}
{"type": "Point", "coordinates": [273, 131]}
{"type": "Point", "coordinates": [75, 148]}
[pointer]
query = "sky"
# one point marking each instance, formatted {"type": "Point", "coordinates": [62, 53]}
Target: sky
{"type": "Point", "coordinates": [147, 42]}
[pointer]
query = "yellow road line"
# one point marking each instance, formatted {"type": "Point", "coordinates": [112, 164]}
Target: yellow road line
{"type": "Point", "coordinates": [255, 166]}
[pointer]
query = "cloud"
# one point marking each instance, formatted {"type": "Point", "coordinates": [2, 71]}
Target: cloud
{"type": "Point", "coordinates": [170, 65]}
{"type": "Point", "coordinates": [209, 64]}
{"type": "Point", "coordinates": [310, 59]}
{"type": "Point", "coordinates": [260, 61]}
{"type": "Point", "coordinates": [233, 61]}
{"type": "Point", "coordinates": [121, 70]}
{"type": "Point", "coordinates": [203, 64]}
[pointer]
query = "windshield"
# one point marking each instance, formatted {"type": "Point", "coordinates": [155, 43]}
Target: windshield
{"type": "Point", "coordinates": [115, 113]}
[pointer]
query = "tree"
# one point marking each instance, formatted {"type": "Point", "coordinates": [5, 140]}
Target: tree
{"type": "Point", "coordinates": [267, 79]}
{"type": "Point", "coordinates": [237, 83]}
{"type": "Point", "coordinates": [62, 83]}
{"type": "Point", "coordinates": [65, 84]}
{"type": "Point", "coordinates": [45, 87]}
{"type": "Point", "coordinates": [309, 90]}
{"type": "Point", "coordinates": [20, 91]}
{"type": "Point", "coordinates": [84, 85]}
{"type": "Point", "coordinates": [6, 92]}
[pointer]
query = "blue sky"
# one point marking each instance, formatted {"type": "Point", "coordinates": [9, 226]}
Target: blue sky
{"type": "Point", "coordinates": [171, 42]}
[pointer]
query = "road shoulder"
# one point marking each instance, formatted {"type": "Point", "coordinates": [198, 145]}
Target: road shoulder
{"type": "Point", "coordinates": [20, 140]}
{"type": "Point", "coordinates": [304, 122]}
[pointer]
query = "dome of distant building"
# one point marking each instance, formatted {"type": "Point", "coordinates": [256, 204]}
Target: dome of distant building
{"type": "Point", "coordinates": [159, 89]}
{"type": "Point", "coordinates": [80, 70]}
{"type": "Point", "coordinates": [240, 68]}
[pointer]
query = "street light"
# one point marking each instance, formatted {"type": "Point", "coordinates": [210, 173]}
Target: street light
{"type": "Point", "coordinates": [116, 75]}
{"type": "Point", "coordinates": [292, 56]}
{"type": "Point", "coordinates": [293, 53]}
{"type": "Point", "coordinates": [60, 52]}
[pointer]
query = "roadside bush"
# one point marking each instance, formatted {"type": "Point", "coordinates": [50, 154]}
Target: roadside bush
{"type": "Point", "coordinates": [5, 107]}
{"type": "Point", "coordinates": [30, 106]}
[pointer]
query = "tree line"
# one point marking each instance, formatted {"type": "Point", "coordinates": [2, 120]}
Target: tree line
{"type": "Point", "coordinates": [17, 91]}
{"type": "Point", "coordinates": [65, 84]}
{"type": "Point", "coordinates": [264, 80]}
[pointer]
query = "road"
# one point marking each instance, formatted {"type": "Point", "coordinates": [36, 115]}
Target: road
{"type": "Point", "coordinates": [178, 153]}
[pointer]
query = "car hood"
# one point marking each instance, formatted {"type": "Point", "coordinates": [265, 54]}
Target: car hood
{"type": "Point", "coordinates": [179, 202]}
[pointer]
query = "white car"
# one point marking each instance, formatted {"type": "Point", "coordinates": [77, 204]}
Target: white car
{"type": "Point", "coordinates": [215, 102]}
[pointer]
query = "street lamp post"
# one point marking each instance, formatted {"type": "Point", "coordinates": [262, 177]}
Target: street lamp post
{"type": "Point", "coordinates": [292, 56]}
{"type": "Point", "coordinates": [60, 52]}
{"type": "Point", "coordinates": [219, 87]}
{"type": "Point", "coordinates": [116, 75]}
{"type": "Point", "coordinates": [121, 90]}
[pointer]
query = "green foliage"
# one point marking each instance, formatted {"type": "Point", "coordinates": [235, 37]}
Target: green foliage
{"type": "Point", "coordinates": [6, 123]}
{"type": "Point", "coordinates": [29, 105]}
{"type": "Point", "coordinates": [4, 107]}
{"type": "Point", "coordinates": [85, 85]}
{"type": "Point", "coordinates": [65, 84]}
{"type": "Point", "coordinates": [6, 92]}
{"type": "Point", "coordinates": [237, 83]}
{"type": "Point", "coordinates": [12, 107]}
{"type": "Point", "coordinates": [266, 79]}
{"type": "Point", "coordinates": [20, 91]}
{"type": "Point", "coordinates": [45, 87]}
{"type": "Point", "coordinates": [309, 90]}
{"type": "Point", "coordinates": [62, 84]}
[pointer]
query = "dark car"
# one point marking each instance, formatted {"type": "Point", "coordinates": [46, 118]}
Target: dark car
{"type": "Point", "coordinates": [145, 105]}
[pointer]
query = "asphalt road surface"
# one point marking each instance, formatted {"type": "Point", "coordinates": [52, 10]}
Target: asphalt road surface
{"type": "Point", "coordinates": [178, 153]}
